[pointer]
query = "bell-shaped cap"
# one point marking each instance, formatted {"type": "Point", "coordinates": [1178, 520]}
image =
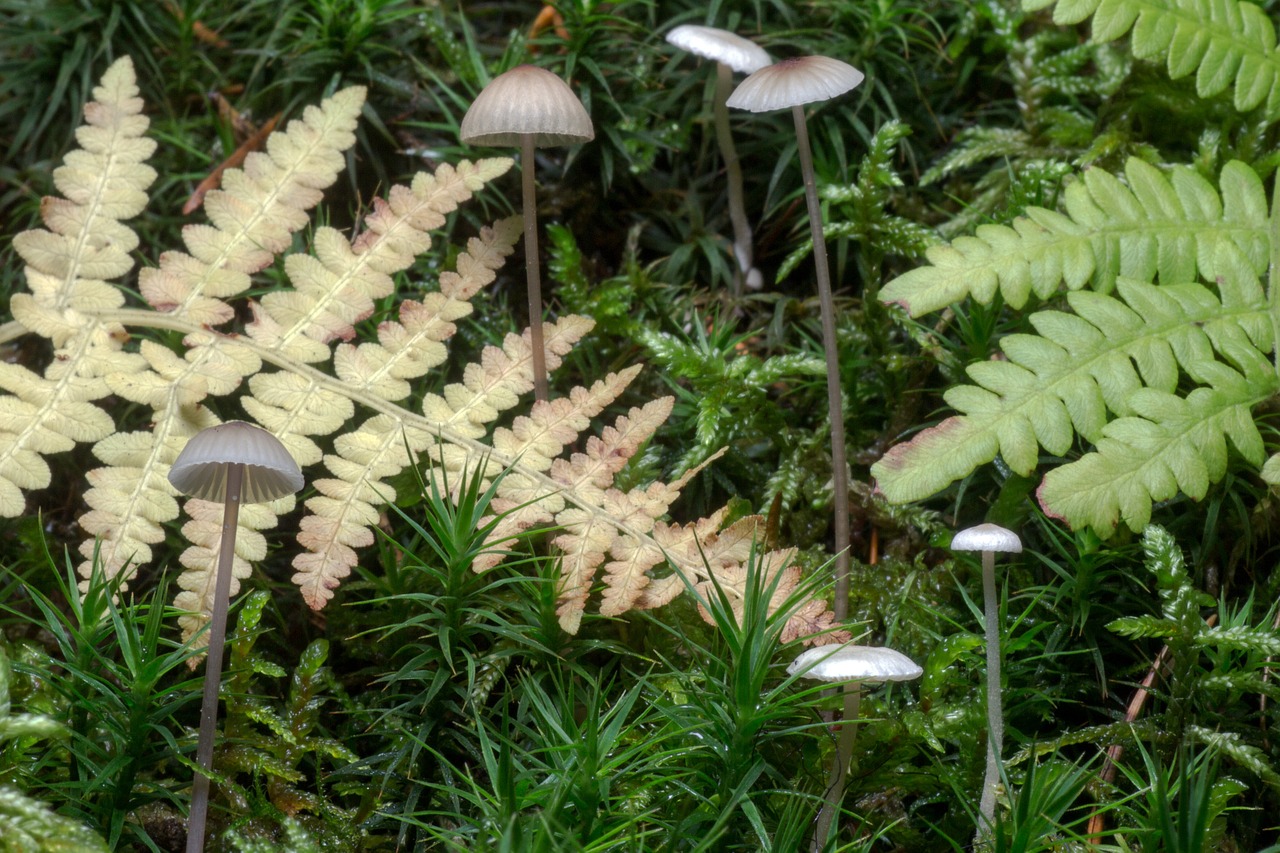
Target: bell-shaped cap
{"type": "Point", "coordinates": [846, 662]}
{"type": "Point", "coordinates": [731, 49]}
{"type": "Point", "coordinates": [987, 537]}
{"type": "Point", "coordinates": [526, 100]}
{"type": "Point", "coordinates": [201, 468]}
{"type": "Point", "coordinates": [791, 82]}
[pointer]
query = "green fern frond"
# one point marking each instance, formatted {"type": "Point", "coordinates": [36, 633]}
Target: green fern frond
{"type": "Point", "coordinates": [1150, 226]}
{"type": "Point", "coordinates": [1223, 42]}
{"type": "Point", "coordinates": [1122, 355]}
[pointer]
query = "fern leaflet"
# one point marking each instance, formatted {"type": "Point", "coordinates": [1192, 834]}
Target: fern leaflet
{"type": "Point", "coordinates": [1223, 42]}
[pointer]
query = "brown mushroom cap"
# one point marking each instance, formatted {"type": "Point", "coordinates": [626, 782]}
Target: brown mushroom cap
{"type": "Point", "coordinates": [526, 100]}
{"type": "Point", "coordinates": [987, 537]}
{"type": "Point", "coordinates": [791, 82]}
{"type": "Point", "coordinates": [731, 49]}
{"type": "Point", "coordinates": [844, 662]}
{"type": "Point", "coordinates": [269, 471]}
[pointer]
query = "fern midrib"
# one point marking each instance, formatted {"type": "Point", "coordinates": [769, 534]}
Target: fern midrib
{"type": "Point", "coordinates": [333, 291]}
{"type": "Point", "coordinates": [145, 318]}
{"type": "Point", "coordinates": [65, 292]}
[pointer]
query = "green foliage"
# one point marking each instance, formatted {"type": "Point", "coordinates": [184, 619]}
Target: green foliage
{"type": "Point", "coordinates": [860, 212]}
{"type": "Point", "coordinates": [729, 392]}
{"type": "Point", "coordinates": [1224, 662]}
{"type": "Point", "coordinates": [1152, 368]}
{"type": "Point", "coordinates": [282, 746]}
{"type": "Point", "coordinates": [116, 683]}
{"type": "Point", "coordinates": [1222, 42]}
{"type": "Point", "coordinates": [1108, 327]}
{"type": "Point", "coordinates": [28, 825]}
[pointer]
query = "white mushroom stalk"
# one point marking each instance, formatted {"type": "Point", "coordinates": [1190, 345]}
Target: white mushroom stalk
{"type": "Point", "coordinates": [990, 538]}
{"type": "Point", "coordinates": [794, 83]}
{"type": "Point", "coordinates": [231, 463]}
{"type": "Point", "coordinates": [528, 107]}
{"type": "Point", "coordinates": [730, 52]}
{"type": "Point", "coordinates": [853, 666]}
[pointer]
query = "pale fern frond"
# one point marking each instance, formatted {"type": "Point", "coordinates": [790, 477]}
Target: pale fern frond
{"type": "Point", "coordinates": [1224, 43]}
{"type": "Point", "coordinates": [1119, 357]}
{"type": "Point", "coordinates": [255, 214]}
{"type": "Point", "coordinates": [104, 182]}
{"type": "Point", "coordinates": [1152, 226]}
{"type": "Point", "coordinates": [300, 369]}
{"type": "Point", "coordinates": [335, 288]}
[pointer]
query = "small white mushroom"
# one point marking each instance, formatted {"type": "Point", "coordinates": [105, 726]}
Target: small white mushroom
{"type": "Point", "coordinates": [853, 666]}
{"type": "Point", "coordinates": [794, 83]}
{"type": "Point", "coordinates": [232, 463]}
{"type": "Point", "coordinates": [989, 539]}
{"type": "Point", "coordinates": [731, 52]}
{"type": "Point", "coordinates": [528, 107]}
{"type": "Point", "coordinates": [843, 662]}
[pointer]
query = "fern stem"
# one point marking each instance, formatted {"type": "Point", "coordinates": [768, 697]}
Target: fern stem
{"type": "Point", "coordinates": [532, 267]}
{"type": "Point", "coordinates": [835, 406]}
{"type": "Point", "coordinates": [213, 660]}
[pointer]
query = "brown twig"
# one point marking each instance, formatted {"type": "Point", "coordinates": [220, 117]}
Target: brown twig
{"type": "Point", "coordinates": [214, 179]}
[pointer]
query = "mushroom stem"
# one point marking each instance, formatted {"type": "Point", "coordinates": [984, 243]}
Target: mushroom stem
{"type": "Point", "coordinates": [213, 660]}
{"type": "Point", "coordinates": [839, 467]}
{"type": "Point", "coordinates": [840, 766]}
{"type": "Point", "coordinates": [742, 250]}
{"type": "Point", "coordinates": [995, 711]}
{"type": "Point", "coordinates": [532, 269]}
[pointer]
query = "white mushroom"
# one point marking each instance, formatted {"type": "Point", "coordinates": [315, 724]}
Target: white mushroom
{"type": "Point", "coordinates": [731, 52]}
{"type": "Point", "coordinates": [793, 83]}
{"type": "Point", "coordinates": [843, 662]}
{"type": "Point", "coordinates": [853, 666]}
{"type": "Point", "coordinates": [990, 538]}
{"type": "Point", "coordinates": [531, 108]}
{"type": "Point", "coordinates": [232, 463]}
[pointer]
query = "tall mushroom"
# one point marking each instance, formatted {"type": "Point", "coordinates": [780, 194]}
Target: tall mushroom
{"type": "Point", "coordinates": [233, 463]}
{"type": "Point", "coordinates": [852, 666]}
{"type": "Point", "coordinates": [730, 52]}
{"type": "Point", "coordinates": [990, 538]}
{"type": "Point", "coordinates": [528, 107]}
{"type": "Point", "coordinates": [794, 83]}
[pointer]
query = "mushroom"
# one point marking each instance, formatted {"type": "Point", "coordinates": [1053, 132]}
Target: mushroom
{"type": "Point", "coordinates": [531, 108]}
{"type": "Point", "coordinates": [793, 83]}
{"type": "Point", "coordinates": [853, 666]}
{"type": "Point", "coordinates": [990, 538]}
{"type": "Point", "coordinates": [233, 463]}
{"type": "Point", "coordinates": [731, 52]}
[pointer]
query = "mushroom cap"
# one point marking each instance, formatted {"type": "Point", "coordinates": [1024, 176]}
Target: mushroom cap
{"type": "Point", "coordinates": [845, 662]}
{"type": "Point", "coordinates": [987, 537]}
{"type": "Point", "coordinates": [201, 468]}
{"type": "Point", "coordinates": [731, 49]}
{"type": "Point", "coordinates": [791, 82]}
{"type": "Point", "coordinates": [526, 100]}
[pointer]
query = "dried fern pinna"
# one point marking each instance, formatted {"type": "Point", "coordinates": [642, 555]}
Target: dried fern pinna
{"type": "Point", "coordinates": [343, 403]}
